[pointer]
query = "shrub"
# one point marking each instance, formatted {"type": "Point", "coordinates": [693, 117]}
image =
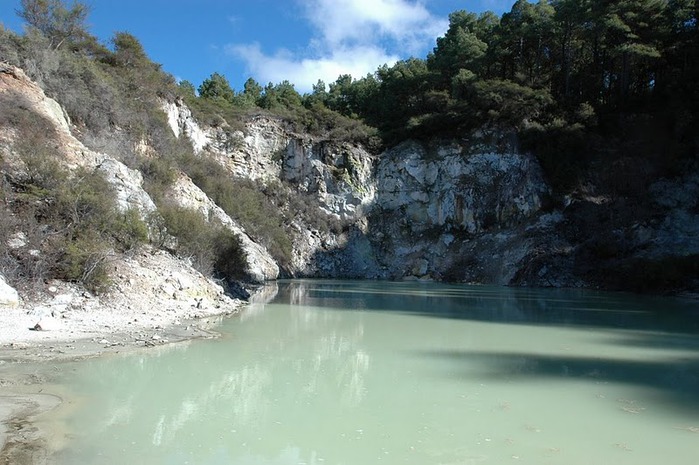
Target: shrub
{"type": "Point", "coordinates": [69, 222]}
{"type": "Point", "coordinates": [213, 249]}
{"type": "Point", "coordinates": [129, 230]}
{"type": "Point", "coordinates": [83, 259]}
{"type": "Point", "coordinates": [243, 200]}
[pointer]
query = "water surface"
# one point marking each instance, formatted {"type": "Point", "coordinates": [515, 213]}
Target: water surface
{"type": "Point", "coordinates": [358, 373]}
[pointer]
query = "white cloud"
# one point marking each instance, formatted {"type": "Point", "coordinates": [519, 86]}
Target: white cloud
{"type": "Point", "coordinates": [349, 37]}
{"type": "Point", "coordinates": [304, 72]}
{"type": "Point", "coordinates": [406, 23]}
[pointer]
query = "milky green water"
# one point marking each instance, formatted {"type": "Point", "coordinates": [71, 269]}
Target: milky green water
{"type": "Point", "coordinates": [360, 373]}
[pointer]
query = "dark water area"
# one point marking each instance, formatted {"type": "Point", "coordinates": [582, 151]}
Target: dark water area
{"type": "Point", "coordinates": [332, 372]}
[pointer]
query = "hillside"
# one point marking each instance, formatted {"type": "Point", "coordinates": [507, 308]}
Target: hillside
{"type": "Point", "coordinates": [470, 170]}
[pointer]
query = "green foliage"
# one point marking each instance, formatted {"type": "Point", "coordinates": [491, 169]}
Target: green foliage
{"type": "Point", "coordinates": [506, 103]}
{"type": "Point", "coordinates": [83, 259]}
{"type": "Point", "coordinates": [244, 201]}
{"type": "Point", "coordinates": [72, 222]}
{"type": "Point", "coordinates": [56, 22]}
{"type": "Point", "coordinates": [128, 51]}
{"type": "Point", "coordinates": [158, 173]}
{"type": "Point", "coordinates": [460, 48]}
{"type": "Point", "coordinates": [187, 89]}
{"type": "Point", "coordinates": [280, 96]}
{"type": "Point", "coordinates": [216, 87]}
{"type": "Point", "coordinates": [129, 230]}
{"type": "Point", "coordinates": [212, 249]}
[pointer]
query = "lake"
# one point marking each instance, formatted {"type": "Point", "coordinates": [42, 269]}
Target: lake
{"type": "Point", "coordinates": [357, 373]}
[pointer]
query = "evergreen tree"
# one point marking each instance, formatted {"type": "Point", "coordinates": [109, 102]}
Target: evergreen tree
{"type": "Point", "coordinates": [54, 20]}
{"type": "Point", "coordinates": [216, 87]}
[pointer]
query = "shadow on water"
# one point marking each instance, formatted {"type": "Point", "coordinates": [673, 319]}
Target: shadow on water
{"type": "Point", "coordinates": [676, 379]}
{"type": "Point", "coordinates": [667, 318]}
{"type": "Point", "coordinates": [633, 321]}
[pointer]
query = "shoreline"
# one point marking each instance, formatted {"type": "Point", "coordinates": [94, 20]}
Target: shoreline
{"type": "Point", "coordinates": [155, 301]}
{"type": "Point", "coordinates": [28, 370]}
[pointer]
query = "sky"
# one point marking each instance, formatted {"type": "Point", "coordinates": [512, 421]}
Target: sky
{"type": "Point", "coordinates": [301, 41]}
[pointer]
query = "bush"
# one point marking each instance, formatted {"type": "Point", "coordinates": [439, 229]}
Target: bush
{"type": "Point", "coordinates": [213, 250]}
{"type": "Point", "coordinates": [83, 259]}
{"type": "Point", "coordinates": [243, 200]}
{"type": "Point", "coordinates": [129, 230]}
{"type": "Point", "coordinates": [69, 223]}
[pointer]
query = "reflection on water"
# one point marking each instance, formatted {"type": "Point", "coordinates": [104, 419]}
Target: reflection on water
{"type": "Point", "coordinates": [409, 373]}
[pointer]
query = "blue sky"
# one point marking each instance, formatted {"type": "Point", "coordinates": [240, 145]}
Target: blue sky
{"type": "Point", "coordinates": [272, 40]}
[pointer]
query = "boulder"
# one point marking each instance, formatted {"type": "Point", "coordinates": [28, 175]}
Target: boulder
{"type": "Point", "coordinates": [8, 295]}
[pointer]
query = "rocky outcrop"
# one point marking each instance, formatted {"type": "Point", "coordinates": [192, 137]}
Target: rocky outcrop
{"type": "Point", "coordinates": [411, 212]}
{"type": "Point", "coordinates": [253, 154]}
{"type": "Point", "coordinates": [260, 266]}
{"type": "Point", "coordinates": [128, 183]}
{"type": "Point", "coordinates": [182, 123]}
{"type": "Point", "coordinates": [340, 174]}
{"type": "Point", "coordinates": [457, 191]}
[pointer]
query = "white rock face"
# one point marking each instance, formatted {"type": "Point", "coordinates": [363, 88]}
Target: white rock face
{"type": "Point", "coordinates": [254, 154]}
{"type": "Point", "coordinates": [342, 175]}
{"type": "Point", "coordinates": [339, 173]}
{"type": "Point", "coordinates": [128, 185]}
{"type": "Point", "coordinates": [471, 192]}
{"type": "Point", "coordinates": [180, 119]}
{"type": "Point", "coordinates": [8, 295]}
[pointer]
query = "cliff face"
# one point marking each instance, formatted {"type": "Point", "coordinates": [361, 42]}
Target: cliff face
{"type": "Point", "coordinates": [443, 210]}
{"type": "Point", "coordinates": [432, 204]}
{"type": "Point", "coordinates": [413, 212]}
{"type": "Point", "coordinates": [440, 210]}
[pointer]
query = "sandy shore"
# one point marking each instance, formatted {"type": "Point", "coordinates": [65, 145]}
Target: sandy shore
{"type": "Point", "coordinates": [28, 368]}
{"type": "Point", "coordinates": [154, 301]}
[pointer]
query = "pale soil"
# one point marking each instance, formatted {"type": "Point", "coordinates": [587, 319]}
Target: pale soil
{"type": "Point", "coordinates": [155, 300]}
